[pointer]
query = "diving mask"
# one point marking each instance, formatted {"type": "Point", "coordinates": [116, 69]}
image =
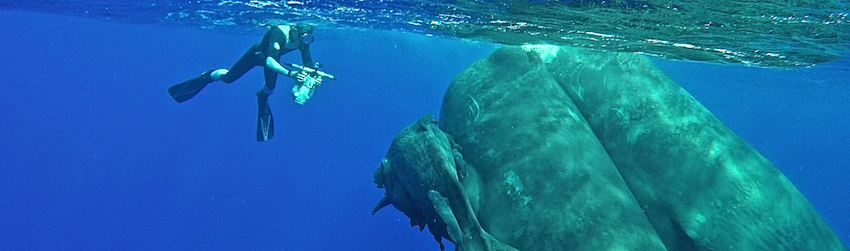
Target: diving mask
{"type": "Point", "coordinates": [307, 38]}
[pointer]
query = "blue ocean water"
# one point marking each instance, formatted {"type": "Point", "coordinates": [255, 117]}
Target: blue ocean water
{"type": "Point", "coordinates": [94, 154]}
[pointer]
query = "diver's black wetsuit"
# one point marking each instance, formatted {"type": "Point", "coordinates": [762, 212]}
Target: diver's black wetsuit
{"type": "Point", "coordinates": [257, 54]}
{"type": "Point", "coordinates": [276, 42]}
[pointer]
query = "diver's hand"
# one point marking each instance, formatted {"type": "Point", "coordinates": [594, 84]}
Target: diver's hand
{"type": "Point", "coordinates": [301, 76]}
{"type": "Point", "coordinates": [294, 74]}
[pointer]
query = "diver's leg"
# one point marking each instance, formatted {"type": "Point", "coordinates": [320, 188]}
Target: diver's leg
{"type": "Point", "coordinates": [189, 88]}
{"type": "Point", "coordinates": [252, 57]}
{"type": "Point", "coordinates": [270, 78]}
{"type": "Point", "coordinates": [265, 121]}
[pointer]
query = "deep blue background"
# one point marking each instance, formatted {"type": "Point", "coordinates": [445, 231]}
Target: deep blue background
{"type": "Point", "coordinates": [94, 155]}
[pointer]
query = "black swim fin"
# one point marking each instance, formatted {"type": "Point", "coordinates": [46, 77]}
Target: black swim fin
{"type": "Point", "coordinates": [265, 121]}
{"type": "Point", "coordinates": [187, 89]}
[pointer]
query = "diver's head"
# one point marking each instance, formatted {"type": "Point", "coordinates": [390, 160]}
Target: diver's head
{"type": "Point", "coordinates": [304, 33]}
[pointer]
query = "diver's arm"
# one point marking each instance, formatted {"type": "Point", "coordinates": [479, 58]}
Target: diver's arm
{"type": "Point", "coordinates": [305, 56]}
{"type": "Point", "coordinates": [273, 63]}
{"type": "Point", "coordinates": [276, 67]}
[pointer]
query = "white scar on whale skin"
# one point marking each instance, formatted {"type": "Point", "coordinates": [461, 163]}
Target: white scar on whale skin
{"type": "Point", "coordinates": [578, 90]}
{"type": "Point", "coordinates": [575, 116]}
{"type": "Point", "coordinates": [476, 111]}
{"type": "Point", "coordinates": [622, 114]}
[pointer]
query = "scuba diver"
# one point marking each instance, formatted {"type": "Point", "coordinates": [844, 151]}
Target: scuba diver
{"type": "Point", "coordinates": [277, 41]}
